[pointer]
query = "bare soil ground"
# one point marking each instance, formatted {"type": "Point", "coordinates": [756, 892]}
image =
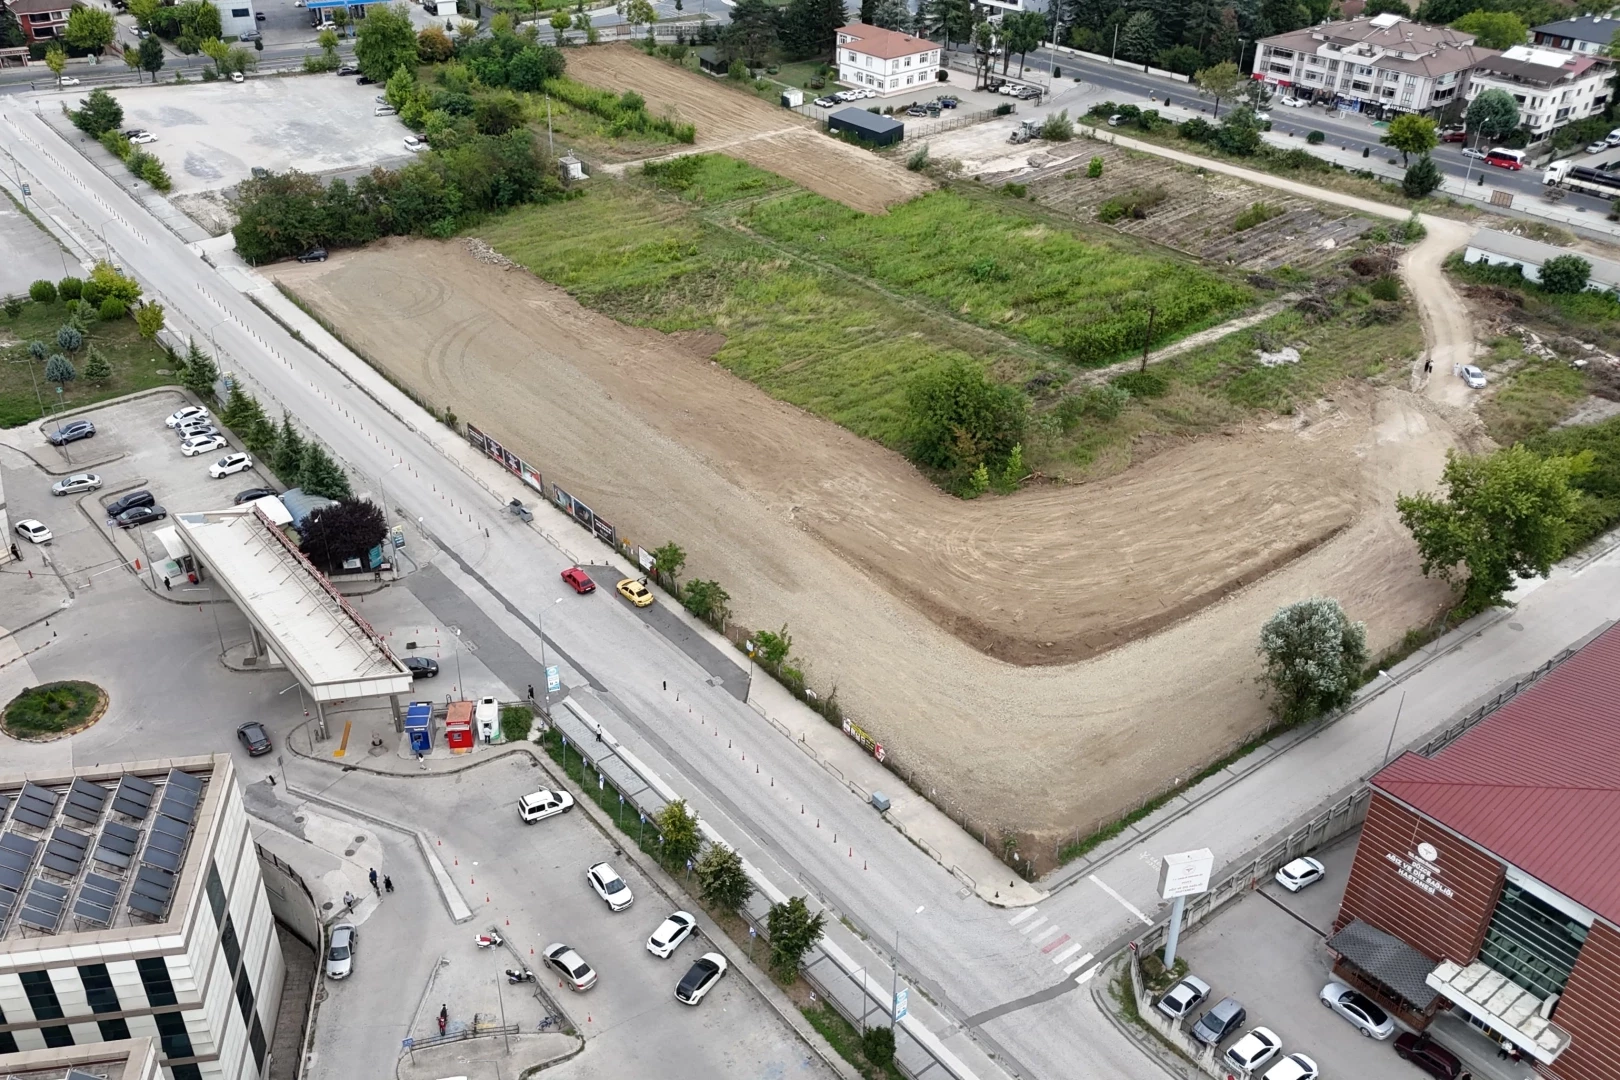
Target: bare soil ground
{"type": "Point", "coordinates": [896, 592]}
{"type": "Point", "coordinates": [745, 127]}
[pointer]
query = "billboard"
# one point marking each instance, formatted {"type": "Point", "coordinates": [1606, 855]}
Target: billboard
{"type": "Point", "coordinates": [504, 457]}
{"type": "Point", "coordinates": [583, 515]}
{"type": "Point", "coordinates": [606, 533]}
{"type": "Point", "coordinates": [1186, 873]}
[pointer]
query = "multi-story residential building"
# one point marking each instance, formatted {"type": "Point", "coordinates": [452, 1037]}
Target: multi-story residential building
{"type": "Point", "coordinates": [132, 907]}
{"type": "Point", "coordinates": [1588, 35]}
{"type": "Point", "coordinates": [885, 60]}
{"type": "Point", "coordinates": [1552, 88]}
{"type": "Point", "coordinates": [41, 20]}
{"type": "Point", "coordinates": [1383, 65]}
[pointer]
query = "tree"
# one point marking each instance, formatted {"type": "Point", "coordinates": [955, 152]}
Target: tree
{"type": "Point", "coordinates": [637, 13]}
{"type": "Point", "coordinates": [145, 12]}
{"type": "Point", "coordinates": [1239, 132]}
{"type": "Point", "coordinates": [1021, 32]}
{"type": "Point", "coordinates": [13, 308]}
{"type": "Point", "coordinates": [771, 648]}
{"type": "Point", "coordinates": [42, 292]}
{"type": "Point", "coordinates": [1505, 515]}
{"type": "Point", "coordinates": [96, 368]}
{"type": "Point", "coordinates": [90, 29]}
{"type": "Point", "coordinates": [1218, 81]}
{"type": "Point", "coordinates": [530, 69]}
{"type": "Point", "coordinates": [1422, 179]}
{"type": "Point", "coordinates": [1387, 7]}
{"type": "Point", "coordinates": [1410, 134]}
{"type": "Point", "coordinates": [1493, 29]}
{"type": "Point", "coordinates": [69, 338]}
{"type": "Point", "coordinates": [348, 529]}
{"type": "Point", "coordinates": [200, 374]}
{"type": "Point", "coordinates": [877, 1045]}
{"type": "Point", "coordinates": [400, 86]}
{"type": "Point", "coordinates": [260, 437]}
{"type": "Point", "coordinates": [891, 15]}
{"type": "Point", "coordinates": [1182, 59]}
{"type": "Point", "coordinates": [708, 601]}
{"type": "Point", "coordinates": [794, 931]}
{"type": "Point", "coordinates": [59, 370]}
{"type": "Point", "coordinates": [386, 40]}
{"type": "Point", "coordinates": [679, 828]}
{"type": "Point", "coordinates": [132, 60]}
{"type": "Point", "coordinates": [1492, 114]}
{"type": "Point", "coordinates": [70, 288]}
{"type": "Point", "coordinates": [341, 20]}
{"type": "Point", "coordinates": [1281, 16]}
{"type": "Point", "coordinates": [56, 60]}
{"type": "Point", "coordinates": [433, 45]}
{"type": "Point", "coordinates": [241, 409]}
{"type": "Point", "coordinates": [289, 457]}
{"type": "Point", "coordinates": [149, 320]}
{"type": "Point", "coordinates": [151, 55]}
{"type": "Point", "coordinates": [11, 31]}
{"type": "Point", "coordinates": [1314, 655]}
{"type": "Point", "coordinates": [668, 562]}
{"type": "Point", "coordinates": [496, 114]}
{"type": "Point", "coordinates": [100, 111]}
{"type": "Point", "coordinates": [723, 881]}
{"type": "Point", "coordinates": [1139, 38]}
{"type": "Point", "coordinates": [753, 31]}
{"type": "Point", "coordinates": [319, 475]}
{"type": "Point", "coordinates": [560, 22]}
{"type": "Point", "coordinates": [1565, 274]}
{"type": "Point", "coordinates": [958, 418]}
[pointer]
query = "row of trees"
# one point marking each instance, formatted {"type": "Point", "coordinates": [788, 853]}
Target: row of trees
{"type": "Point", "coordinates": [299, 462]}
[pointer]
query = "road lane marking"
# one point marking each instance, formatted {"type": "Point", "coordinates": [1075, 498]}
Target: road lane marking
{"type": "Point", "coordinates": [1056, 943]}
{"type": "Point", "coordinates": [1077, 965]}
{"type": "Point", "coordinates": [1066, 953]}
{"type": "Point", "coordinates": [1036, 925]}
{"type": "Point", "coordinates": [1044, 934]}
{"type": "Point", "coordinates": [1090, 971]}
{"type": "Point", "coordinates": [1126, 904]}
{"type": "Point", "coordinates": [1022, 915]}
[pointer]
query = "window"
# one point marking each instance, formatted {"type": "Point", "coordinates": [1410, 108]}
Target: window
{"type": "Point", "coordinates": [57, 1036]}
{"type": "Point", "coordinates": [113, 1030]}
{"type": "Point", "coordinates": [240, 13]}
{"type": "Point", "coordinates": [1531, 942]}
{"type": "Point", "coordinates": [41, 995]}
{"type": "Point", "coordinates": [244, 997]}
{"type": "Point", "coordinates": [8, 1043]}
{"type": "Point", "coordinates": [98, 988]}
{"type": "Point", "coordinates": [186, 1072]}
{"type": "Point", "coordinates": [216, 890]}
{"type": "Point", "coordinates": [233, 949]}
{"type": "Point", "coordinates": [155, 978]}
{"type": "Point", "coordinates": [256, 1040]}
{"type": "Point", "coordinates": [172, 1034]}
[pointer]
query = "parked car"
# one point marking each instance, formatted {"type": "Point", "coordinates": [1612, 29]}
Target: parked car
{"type": "Point", "coordinates": [129, 501]}
{"type": "Point", "coordinates": [539, 805]}
{"type": "Point", "coordinates": [415, 144]}
{"type": "Point", "coordinates": [364, 81]}
{"type": "Point", "coordinates": [702, 977]}
{"type": "Point", "coordinates": [1116, 120]}
{"type": "Point", "coordinates": [1258, 1046]}
{"type": "Point", "coordinates": [1597, 147]}
{"type": "Point", "coordinates": [422, 667]}
{"type": "Point", "coordinates": [1215, 1025]}
{"type": "Point", "coordinates": [258, 16]}
{"type": "Point", "coordinates": [255, 740]}
{"type": "Point", "coordinates": [348, 69]}
{"type": "Point", "coordinates": [72, 485]}
{"type": "Point", "coordinates": [201, 444]}
{"type": "Point", "coordinates": [33, 531]}
{"type": "Point", "coordinates": [313, 255]}
{"type": "Point", "coordinates": [947, 102]}
{"type": "Point", "coordinates": [579, 580]}
{"type": "Point", "coordinates": [1429, 1056]}
{"type": "Point", "coordinates": [571, 966]}
{"type": "Point", "coordinates": [670, 933]}
{"type": "Point", "coordinates": [635, 592]}
{"type": "Point", "coordinates": [1183, 997]}
{"type": "Point", "coordinates": [251, 35]}
{"type": "Point", "coordinates": [1294, 1067]}
{"type": "Point", "coordinates": [340, 952]}
{"type": "Point", "coordinates": [1453, 135]}
{"type": "Point", "coordinates": [195, 427]}
{"type": "Point", "coordinates": [67, 80]}
{"type": "Point", "coordinates": [140, 515]}
{"type": "Point", "coordinates": [237, 76]}
{"type": "Point", "coordinates": [610, 886]}
{"type": "Point", "coordinates": [1472, 376]}
{"type": "Point", "coordinates": [825, 102]}
{"type": "Point", "coordinates": [190, 412]}
{"type": "Point", "coordinates": [253, 495]}
{"type": "Point", "coordinates": [1292, 102]}
{"type": "Point", "coordinates": [384, 110]}
{"type": "Point", "coordinates": [229, 465]}
{"type": "Point", "coordinates": [1355, 1007]}
{"type": "Point", "coordinates": [1300, 873]}
{"type": "Point", "coordinates": [145, 138]}
{"type": "Point", "coordinates": [73, 432]}
{"type": "Point", "coordinates": [130, 134]}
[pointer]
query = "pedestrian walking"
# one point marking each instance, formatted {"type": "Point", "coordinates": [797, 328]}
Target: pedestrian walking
{"type": "Point", "coordinates": [166, 586]}
{"type": "Point", "coordinates": [374, 886]}
{"type": "Point", "coordinates": [1507, 1048]}
{"type": "Point", "coordinates": [348, 903]}
{"type": "Point", "coordinates": [419, 762]}
{"type": "Point", "coordinates": [531, 691]}
{"type": "Point", "coordinates": [388, 884]}
{"type": "Point", "coordinates": [1428, 366]}
{"type": "Point", "coordinates": [444, 1017]}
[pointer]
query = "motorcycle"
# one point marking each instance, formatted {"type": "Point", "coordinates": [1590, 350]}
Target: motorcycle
{"type": "Point", "coordinates": [519, 976]}
{"type": "Point", "coordinates": [489, 941]}
{"type": "Point", "coordinates": [444, 1018]}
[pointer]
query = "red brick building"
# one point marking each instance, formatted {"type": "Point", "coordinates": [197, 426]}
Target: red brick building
{"type": "Point", "coordinates": [1487, 880]}
{"type": "Point", "coordinates": [41, 20]}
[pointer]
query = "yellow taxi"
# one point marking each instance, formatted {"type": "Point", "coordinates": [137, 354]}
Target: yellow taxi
{"type": "Point", "coordinates": [635, 592]}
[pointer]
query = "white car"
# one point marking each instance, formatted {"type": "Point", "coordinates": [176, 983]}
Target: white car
{"type": "Point", "coordinates": [1262, 115]}
{"type": "Point", "coordinates": [237, 76]}
{"type": "Point", "coordinates": [670, 933]}
{"type": "Point", "coordinates": [701, 978]}
{"type": "Point", "coordinates": [1472, 376]}
{"type": "Point", "coordinates": [571, 966]}
{"type": "Point", "coordinates": [143, 138]}
{"type": "Point", "coordinates": [201, 444]}
{"type": "Point", "coordinates": [1294, 1067]}
{"type": "Point", "coordinates": [72, 485]}
{"type": "Point", "coordinates": [610, 886]}
{"type": "Point", "coordinates": [543, 804]}
{"type": "Point", "coordinates": [1469, 151]}
{"type": "Point", "coordinates": [383, 110]}
{"type": "Point", "coordinates": [34, 531]}
{"type": "Point", "coordinates": [1300, 873]}
{"type": "Point", "coordinates": [190, 412]}
{"type": "Point", "coordinates": [1184, 997]}
{"type": "Point", "coordinates": [1597, 148]}
{"type": "Point", "coordinates": [415, 144]}
{"type": "Point", "coordinates": [67, 80]}
{"type": "Point", "coordinates": [1292, 102]}
{"type": "Point", "coordinates": [1258, 1046]}
{"type": "Point", "coordinates": [1362, 1013]}
{"type": "Point", "coordinates": [229, 464]}
{"type": "Point", "coordinates": [340, 953]}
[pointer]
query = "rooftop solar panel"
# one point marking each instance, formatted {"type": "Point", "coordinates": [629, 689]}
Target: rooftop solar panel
{"type": "Point", "coordinates": [97, 883]}
{"type": "Point", "coordinates": [91, 911]}
{"type": "Point", "coordinates": [185, 781]}
{"type": "Point", "coordinates": [85, 801]}
{"type": "Point", "coordinates": [12, 879]}
{"type": "Point", "coordinates": [40, 920]}
{"type": "Point", "coordinates": [163, 825]}
{"type": "Point", "coordinates": [133, 797]}
{"type": "Point", "coordinates": [146, 905]}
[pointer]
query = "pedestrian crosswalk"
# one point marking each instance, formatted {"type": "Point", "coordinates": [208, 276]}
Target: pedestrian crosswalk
{"type": "Point", "coordinates": [1054, 944]}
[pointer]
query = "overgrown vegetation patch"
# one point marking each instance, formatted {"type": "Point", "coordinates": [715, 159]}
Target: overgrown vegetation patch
{"type": "Point", "coordinates": [43, 712]}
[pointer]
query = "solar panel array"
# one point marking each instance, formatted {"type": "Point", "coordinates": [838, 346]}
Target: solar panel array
{"type": "Point", "coordinates": [63, 853]}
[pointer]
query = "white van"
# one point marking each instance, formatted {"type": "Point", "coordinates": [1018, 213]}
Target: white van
{"type": "Point", "coordinates": [543, 804]}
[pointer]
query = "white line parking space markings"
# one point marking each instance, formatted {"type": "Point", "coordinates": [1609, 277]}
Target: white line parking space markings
{"type": "Point", "coordinates": [1089, 972]}
{"type": "Point", "coordinates": [1077, 965]}
{"type": "Point", "coordinates": [1126, 904]}
{"type": "Point", "coordinates": [1035, 925]}
{"type": "Point", "coordinates": [1066, 953]}
{"type": "Point", "coordinates": [1022, 915]}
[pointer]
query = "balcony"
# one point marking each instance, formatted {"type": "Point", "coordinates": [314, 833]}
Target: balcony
{"type": "Point", "coordinates": [1502, 1005]}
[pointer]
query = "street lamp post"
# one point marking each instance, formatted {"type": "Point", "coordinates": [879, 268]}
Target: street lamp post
{"type": "Point", "coordinates": [1390, 745]}
{"type": "Point", "coordinates": [388, 538]}
{"type": "Point", "coordinates": [545, 670]}
{"type": "Point", "coordinates": [456, 630]}
{"type": "Point", "coordinates": [894, 984]}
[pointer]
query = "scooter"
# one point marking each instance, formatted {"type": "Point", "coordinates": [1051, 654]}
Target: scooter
{"type": "Point", "coordinates": [489, 940]}
{"type": "Point", "coordinates": [519, 976]}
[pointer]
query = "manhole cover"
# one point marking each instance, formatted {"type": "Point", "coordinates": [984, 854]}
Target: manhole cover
{"type": "Point", "coordinates": [360, 839]}
{"type": "Point", "coordinates": [348, 851]}
{"type": "Point", "coordinates": [298, 820]}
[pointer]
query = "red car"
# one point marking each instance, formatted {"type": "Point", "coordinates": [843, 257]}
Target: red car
{"type": "Point", "coordinates": [1453, 135]}
{"type": "Point", "coordinates": [579, 579]}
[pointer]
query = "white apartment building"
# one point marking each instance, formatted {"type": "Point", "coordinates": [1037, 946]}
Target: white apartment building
{"type": "Point", "coordinates": [1588, 35]}
{"type": "Point", "coordinates": [885, 60]}
{"type": "Point", "coordinates": [1383, 65]}
{"type": "Point", "coordinates": [1552, 88]}
{"type": "Point", "coordinates": [132, 908]}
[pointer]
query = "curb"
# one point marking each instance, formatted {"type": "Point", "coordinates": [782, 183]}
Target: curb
{"type": "Point", "coordinates": [1150, 1049]}
{"type": "Point", "coordinates": [346, 766]}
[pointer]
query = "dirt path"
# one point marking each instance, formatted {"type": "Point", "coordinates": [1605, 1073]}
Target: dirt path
{"type": "Point", "coordinates": [1191, 341]}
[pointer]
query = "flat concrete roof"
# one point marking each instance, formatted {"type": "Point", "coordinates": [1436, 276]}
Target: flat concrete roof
{"type": "Point", "coordinates": [307, 622]}
{"type": "Point", "coordinates": [127, 1059]}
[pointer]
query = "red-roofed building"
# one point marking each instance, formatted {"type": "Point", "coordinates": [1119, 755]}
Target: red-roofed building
{"type": "Point", "coordinates": [885, 61]}
{"type": "Point", "coordinates": [1495, 863]}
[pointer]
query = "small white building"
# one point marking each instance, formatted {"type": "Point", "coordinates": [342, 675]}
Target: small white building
{"type": "Point", "coordinates": [235, 19]}
{"type": "Point", "coordinates": [886, 61]}
{"type": "Point", "coordinates": [1494, 248]}
{"type": "Point", "coordinates": [1552, 88]}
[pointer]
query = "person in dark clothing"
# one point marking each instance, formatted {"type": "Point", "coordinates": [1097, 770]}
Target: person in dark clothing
{"type": "Point", "coordinates": [388, 883]}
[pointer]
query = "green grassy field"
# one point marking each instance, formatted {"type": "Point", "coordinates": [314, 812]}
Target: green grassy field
{"type": "Point", "coordinates": [136, 364]}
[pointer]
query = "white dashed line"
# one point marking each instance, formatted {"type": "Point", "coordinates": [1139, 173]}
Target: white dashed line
{"type": "Point", "coordinates": [1022, 915]}
{"type": "Point", "coordinates": [1089, 972]}
{"type": "Point", "coordinates": [1066, 953]}
{"type": "Point", "coordinates": [1126, 904]}
{"type": "Point", "coordinates": [1077, 965]}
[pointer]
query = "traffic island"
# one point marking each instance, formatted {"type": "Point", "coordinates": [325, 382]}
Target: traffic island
{"type": "Point", "coordinates": [53, 711]}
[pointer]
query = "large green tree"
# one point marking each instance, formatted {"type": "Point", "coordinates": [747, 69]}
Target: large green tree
{"type": "Point", "coordinates": [723, 881]}
{"type": "Point", "coordinates": [794, 931]}
{"type": "Point", "coordinates": [679, 828]}
{"type": "Point", "coordinates": [386, 40]}
{"type": "Point", "coordinates": [90, 29]}
{"type": "Point", "coordinates": [1410, 134]}
{"type": "Point", "coordinates": [1492, 114]}
{"type": "Point", "coordinates": [1218, 81]}
{"type": "Point", "coordinates": [318, 474]}
{"type": "Point", "coordinates": [1494, 29]}
{"type": "Point", "coordinates": [1421, 179]}
{"type": "Point", "coordinates": [958, 418]}
{"type": "Point", "coordinates": [11, 31]}
{"type": "Point", "coordinates": [1504, 515]}
{"type": "Point", "coordinates": [99, 113]}
{"type": "Point", "coordinates": [1021, 32]}
{"type": "Point", "coordinates": [1565, 274]}
{"type": "Point", "coordinates": [348, 529]}
{"type": "Point", "coordinates": [1314, 655]}
{"type": "Point", "coordinates": [755, 29]}
{"type": "Point", "coordinates": [1139, 39]}
{"type": "Point", "coordinates": [151, 55]}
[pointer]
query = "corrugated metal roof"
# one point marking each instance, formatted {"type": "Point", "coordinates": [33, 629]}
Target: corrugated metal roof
{"type": "Point", "coordinates": [1537, 782]}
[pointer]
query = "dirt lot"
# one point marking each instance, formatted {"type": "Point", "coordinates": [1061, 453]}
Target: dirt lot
{"type": "Point", "coordinates": [891, 589]}
{"type": "Point", "coordinates": [746, 127]}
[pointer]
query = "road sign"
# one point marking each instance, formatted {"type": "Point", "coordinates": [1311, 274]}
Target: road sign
{"type": "Point", "coordinates": [1186, 873]}
{"type": "Point", "coordinates": [553, 679]}
{"type": "Point", "coordinates": [900, 1005]}
{"type": "Point", "coordinates": [398, 534]}
{"type": "Point", "coordinates": [406, 1043]}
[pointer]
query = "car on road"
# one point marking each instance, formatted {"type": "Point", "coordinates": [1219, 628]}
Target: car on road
{"type": "Point", "coordinates": [364, 81]}
{"type": "Point", "coordinates": [539, 805]}
{"type": "Point", "coordinates": [237, 76]}
{"type": "Point", "coordinates": [145, 138]}
{"type": "Point", "coordinates": [340, 952]}
{"type": "Point", "coordinates": [571, 966]}
{"type": "Point", "coordinates": [700, 978]}
{"type": "Point", "coordinates": [130, 500]}
{"type": "Point", "coordinates": [1597, 148]}
{"type": "Point", "coordinates": [635, 592]}
{"type": "Point", "coordinates": [140, 515]}
{"type": "Point", "coordinates": [1472, 377]}
{"type": "Point", "coordinates": [422, 667]}
{"type": "Point", "coordinates": [67, 80]}
{"type": "Point", "coordinates": [1182, 998]}
{"type": "Point", "coordinates": [1360, 1011]}
{"type": "Point", "coordinates": [255, 740]}
{"type": "Point", "coordinates": [229, 465]}
{"type": "Point", "coordinates": [201, 444]}
{"type": "Point", "coordinates": [1453, 135]}
{"type": "Point", "coordinates": [1258, 1046]}
{"type": "Point", "coordinates": [1429, 1056]}
{"type": "Point", "coordinates": [33, 531]}
{"type": "Point", "coordinates": [1225, 1018]}
{"type": "Point", "coordinates": [251, 35]}
{"type": "Point", "coordinates": [1262, 115]}
{"type": "Point", "coordinates": [1469, 151]}
{"type": "Point", "coordinates": [610, 886]}
{"type": "Point", "coordinates": [348, 69]}
{"type": "Point", "coordinates": [1301, 872]}
{"type": "Point", "coordinates": [130, 134]}
{"type": "Point", "coordinates": [78, 429]}
{"type": "Point", "coordinates": [72, 485]}
{"type": "Point", "coordinates": [1294, 1067]}
{"type": "Point", "coordinates": [384, 110]}
{"type": "Point", "coordinates": [258, 16]}
{"type": "Point", "coordinates": [670, 933]}
{"type": "Point", "coordinates": [180, 416]}
{"type": "Point", "coordinates": [254, 495]}
{"type": "Point", "coordinates": [1292, 102]}
{"type": "Point", "coordinates": [313, 255]}
{"type": "Point", "coordinates": [415, 143]}
{"type": "Point", "coordinates": [579, 580]}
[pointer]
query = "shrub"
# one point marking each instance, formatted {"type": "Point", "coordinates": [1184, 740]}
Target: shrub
{"type": "Point", "coordinates": [1004, 109]}
{"type": "Point", "coordinates": [96, 368]}
{"type": "Point", "coordinates": [723, 882]}
{"type": "Point", "coordinates": [918, 158]}
{"type": "Point", "coordinates": [1058, 127]}
{"type": "Point", "coordinates": [113, 309]}
{"type": "Point", "coordinates": [1385, 287]}
{"type": "Point", "coordinates": [69, 288]}
{"type": "Point", "coordinates": [1316, 138]}
{"type": "Point", "coordinates": [1196, 130]}
{"type": "Point", "coordinates": [1422, 178]}
{"type": "Point", "coordinates": [1094, 168]}
{"type": "Point", "coordinates": [13, 308]}
{"type": "Point", "coordinates": [1133, 204]}
{"type": "Point", "coordinates": [1017, 191]}
{"type": "Point", "coordinates": [58, 369]}
{"type": "Point", "coordinates": [69, 338]}
{"type": "Point", "coordinates": [43, 292]}
{"type": "Point", "coordinates": [1314, 655]}
{"type": "Point", "coordinates": [1565, 274]}
{"type": "Point", "coordinates": [877, 1046]}
{"type": "Point", "coordinates": [1142, 384]}
{"type": "Point", "coordinates": [958, 418]}
{"type": "Point", "coordinates": [1257, 214]}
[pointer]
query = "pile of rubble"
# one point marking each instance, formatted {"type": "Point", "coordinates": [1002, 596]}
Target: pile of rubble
{"type": "Point", "coordinates": [486, 254]}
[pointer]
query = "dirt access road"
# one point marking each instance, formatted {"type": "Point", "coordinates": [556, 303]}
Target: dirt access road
{"type": "Point", "coordinates": [741, 125]}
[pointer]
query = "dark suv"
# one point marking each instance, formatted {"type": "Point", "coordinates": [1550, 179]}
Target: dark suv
{"type": "Point", "coordinates": [1429, 1056]}
{"type": "Point", "coordinates": [129, 502]}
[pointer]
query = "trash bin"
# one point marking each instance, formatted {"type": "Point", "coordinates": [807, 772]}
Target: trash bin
{"type": "Point", "coordinates": [880, 801]}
